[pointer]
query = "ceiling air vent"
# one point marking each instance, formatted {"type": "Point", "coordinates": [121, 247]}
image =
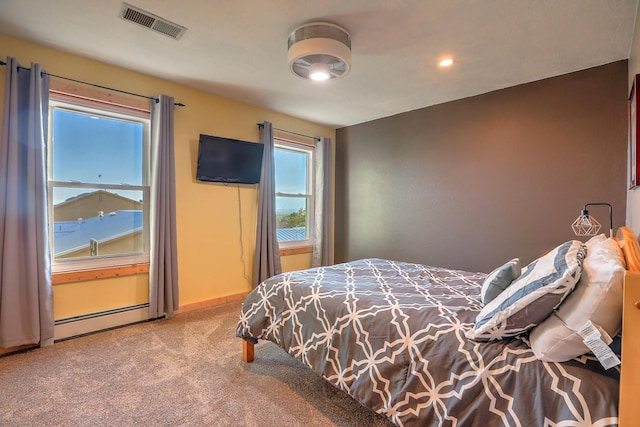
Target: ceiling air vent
{"type": "Point", "coordinates": [151, 21]}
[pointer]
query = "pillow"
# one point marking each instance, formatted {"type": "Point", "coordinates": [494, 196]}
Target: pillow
{"type": "Point", "coordinates": [533, 296]}
{"type": "Point", "coordinates": [498, 280]}
{"type": "Point", "coordinates": [594, 241]}
{"type": "Point", "coordinates": [597, 297]}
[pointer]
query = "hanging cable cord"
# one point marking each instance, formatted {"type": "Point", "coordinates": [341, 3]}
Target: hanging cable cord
{"type": "Point", "coordinates": [177, 104]}
{"type": "Point", "coordinates": [244, 266]}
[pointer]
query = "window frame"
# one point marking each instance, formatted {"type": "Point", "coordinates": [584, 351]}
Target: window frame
{"type": "Point", "coordinates": [282, 143]}
{"type": "Point", "coordinates": [117, 112]}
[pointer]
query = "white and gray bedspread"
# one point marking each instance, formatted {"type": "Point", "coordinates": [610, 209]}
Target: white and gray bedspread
{"type": "Point", "coordinates": [392, 335]}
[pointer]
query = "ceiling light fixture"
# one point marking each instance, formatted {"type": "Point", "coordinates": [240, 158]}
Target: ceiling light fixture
{"type": "Point", "coordinates": [319, 71]}
{"type": "Point", "coordinates": [319, 51]}
{"type": "Point", "coordinates": [447, 62]}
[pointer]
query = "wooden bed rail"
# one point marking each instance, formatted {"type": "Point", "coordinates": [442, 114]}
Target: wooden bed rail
{"type": "Point", "coordinates": [629, 415]}
{"type": "Point", "coordinates": [247, 352]}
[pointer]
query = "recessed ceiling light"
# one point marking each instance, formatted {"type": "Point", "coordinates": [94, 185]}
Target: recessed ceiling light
{"type": "Point", "coordinates": [447, 62]}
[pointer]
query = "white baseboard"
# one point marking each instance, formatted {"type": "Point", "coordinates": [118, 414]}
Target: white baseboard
{"type": "Point", "coordinates": [94, 322]}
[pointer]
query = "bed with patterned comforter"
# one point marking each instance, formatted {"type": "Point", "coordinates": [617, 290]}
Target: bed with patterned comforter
{"type": "Point", "coordinates": [392, 335]}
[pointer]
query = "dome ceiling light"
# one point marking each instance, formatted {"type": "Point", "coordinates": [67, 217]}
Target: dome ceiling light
{"type": "Point", "coordinates": [319, 51]}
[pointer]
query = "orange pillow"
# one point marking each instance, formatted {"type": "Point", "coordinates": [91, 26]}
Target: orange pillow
{"type": "Point", "coordinates": [630, 248]}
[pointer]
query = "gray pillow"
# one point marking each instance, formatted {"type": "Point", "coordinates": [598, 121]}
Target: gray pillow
{"type": "Point", "coordinates": [498, 280]}
{"type": "Point", "coordinates": [533, 296]}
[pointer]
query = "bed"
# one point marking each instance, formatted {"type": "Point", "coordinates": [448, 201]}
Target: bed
{"type": "Point", "coordinates": [402, 339]}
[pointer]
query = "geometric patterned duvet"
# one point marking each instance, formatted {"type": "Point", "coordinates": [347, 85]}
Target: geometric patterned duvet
{"type": "Point", "coordinates": [392, 335]}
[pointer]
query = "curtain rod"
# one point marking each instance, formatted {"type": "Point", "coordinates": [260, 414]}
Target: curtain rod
{"type": "Point", "coordinates": [288, 131]}
{"type": "Point", "coordinates": [178, 104]}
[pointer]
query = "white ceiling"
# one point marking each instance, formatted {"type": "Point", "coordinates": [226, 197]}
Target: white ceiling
{"type": "Point", "coordinates": [238, 48]}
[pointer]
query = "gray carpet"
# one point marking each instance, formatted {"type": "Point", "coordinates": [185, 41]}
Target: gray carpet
{"type": "Point", "coordinates": [185, 371]}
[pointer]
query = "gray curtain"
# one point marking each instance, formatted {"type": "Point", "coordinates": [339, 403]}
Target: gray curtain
{"type": "Point", "coordinates": [322, 241]}
{"type": "Point", "coordinates": [26, 295]}
{"type": "Point", "coordinates": [163, 269]}
{"type": "Point", "coordinates": [267, 256]}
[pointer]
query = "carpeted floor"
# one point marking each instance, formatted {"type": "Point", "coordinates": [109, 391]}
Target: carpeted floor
{"type": "Point", "coordinates": [185, 371]}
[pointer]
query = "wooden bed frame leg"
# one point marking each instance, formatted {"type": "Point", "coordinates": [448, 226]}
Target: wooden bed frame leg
{"type": "Point", "coordinates": [247, 351]}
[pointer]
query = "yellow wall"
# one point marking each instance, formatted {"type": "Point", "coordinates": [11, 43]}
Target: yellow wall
{"type": "Point", "coordinates": [296, 262]}
{"type": "Point", "coordinates": [210, 259]}
{"type": "Point", "coordinates": [72, 299]}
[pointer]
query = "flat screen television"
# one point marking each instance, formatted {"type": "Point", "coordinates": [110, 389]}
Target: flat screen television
{"type": "Point", "coordinates": [228, 160]}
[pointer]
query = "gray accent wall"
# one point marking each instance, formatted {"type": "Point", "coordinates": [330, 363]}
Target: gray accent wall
{"type": "Point", "coordinates": [472, 183]}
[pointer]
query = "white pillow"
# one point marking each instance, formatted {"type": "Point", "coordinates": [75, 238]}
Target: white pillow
{"type": "Point", "coordinates": [533, 296]}
{"type": "Point", "coordinates": [594, 241]}
{"type": "Point", "coordinates": [597, 297]}
{"type": "Point", "coordinates": [499, 279]}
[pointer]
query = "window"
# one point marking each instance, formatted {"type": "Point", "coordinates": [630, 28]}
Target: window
{"type": "Point", "coordinates": [98, 185]}
{"type": "Point", "coordinates": [294, 193]}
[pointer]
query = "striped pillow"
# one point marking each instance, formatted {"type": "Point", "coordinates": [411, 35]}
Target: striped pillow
{"type": "Point", "coordinates": [498, 280]}
{"type": "Point", "coordinates": [533, 296]}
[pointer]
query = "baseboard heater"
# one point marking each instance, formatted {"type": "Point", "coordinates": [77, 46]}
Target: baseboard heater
{"type": "Point", "coordinates": [93, 322]}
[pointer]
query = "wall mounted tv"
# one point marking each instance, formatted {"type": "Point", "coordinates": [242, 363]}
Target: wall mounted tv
{"type": "Point", "coordinates": [228, 160]}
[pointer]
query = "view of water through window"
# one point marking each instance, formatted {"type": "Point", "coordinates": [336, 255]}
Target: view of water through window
{"type": "Point", "coordinates": [292, 194]}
